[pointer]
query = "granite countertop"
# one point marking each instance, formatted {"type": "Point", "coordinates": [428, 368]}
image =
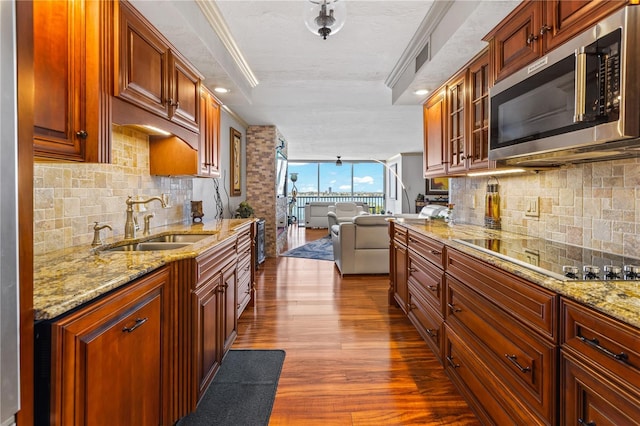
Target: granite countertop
{"type": "Point", "coordinates": [618, 299]}
{"type": "Point", "coordinates": [65, 279]}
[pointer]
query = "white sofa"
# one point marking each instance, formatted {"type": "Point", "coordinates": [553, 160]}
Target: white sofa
{"type": "Point", "coordinates": [362, 246]}
{"type": "Point", "coordinates": [315, 213]}
{"type": "Point", "coordinates": [344, 212]}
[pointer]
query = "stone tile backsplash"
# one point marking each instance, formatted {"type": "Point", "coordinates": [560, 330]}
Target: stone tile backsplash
{"type": "Point", "coordinates": [595, 205]}
{"type": "Point", "coordinates": [70, 197]}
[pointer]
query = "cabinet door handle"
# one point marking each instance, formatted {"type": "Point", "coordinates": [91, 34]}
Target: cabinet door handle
{"type": "Point", "coordinates": [514, 361]}
{"type": "Point", "coordinates": [138, 323]}
{"type": "Point", "coordinates": [453, 308]}
{"type": "Point", "coordinates": [413, 269]}
{"type": "Point", "coordinates": [595, 343]}
{"type": "Point", "coordinates": [432, 333]}
{"type": "Point", "coordinates": [451, 362]}
{"type": "Point", "coordinates": [544, 29]}
{"type": "Point", "coordinates": [531, 38]}
{"type": "Point", "coordinates": [173, 104]}
{"type": "Point", "coordinates": [436, 252]}
{"type": "Point", "coordinates": [82, 134]}
{"type": "Point", "coordinates": [432, 287]}
{"type": "Point", "coordinates": [583, 422]}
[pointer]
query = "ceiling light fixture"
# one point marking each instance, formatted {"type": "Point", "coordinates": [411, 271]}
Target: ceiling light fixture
{"type": "Point", "coordinates": [338, 161]}
{"type": "Point", "coordinates": [421, 92]}
{"type": "Point", "coordinates": [325, 17]}
{"type": "Point", "coordinates": [221, 90]}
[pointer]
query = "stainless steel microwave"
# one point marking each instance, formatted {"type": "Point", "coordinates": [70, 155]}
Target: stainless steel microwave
{"type": "Point", "coordinates": [579, 103]}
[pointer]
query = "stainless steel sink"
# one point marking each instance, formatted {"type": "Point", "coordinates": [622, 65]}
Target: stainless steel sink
{"type": "Point", "coordinates": [178, 238]}
{"type": "Point", "coordinates": [149, 246]}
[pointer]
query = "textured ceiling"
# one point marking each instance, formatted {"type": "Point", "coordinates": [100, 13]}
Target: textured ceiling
{"type": "Point", "coordinates": [350, 95]}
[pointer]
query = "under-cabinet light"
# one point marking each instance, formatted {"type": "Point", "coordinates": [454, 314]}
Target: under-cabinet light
{"type": "Point", "coordinates": [496, 172]}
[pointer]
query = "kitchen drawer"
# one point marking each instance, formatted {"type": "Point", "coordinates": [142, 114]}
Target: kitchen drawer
{"type": "Point", "coordinates": [428, 248]}
{"type": "Point", "coordinates": [474, 380]}
{"type": "Point", "coordinates": [400, 234]}
{"type": "Point", "coordinates": [214, 260]}
{"type": "Point", "coordinates": [426, 320]}
{"type": "Point", "coordinates": [607, 342]}
{"type": "Point", "coordinates": [525, 363]}
{"type": "Point", "coordinates": [428, 280]}
{"type": "Point", "coordinates": [528, 303]}
{"type": "Point", "coordinates": [591, 398]}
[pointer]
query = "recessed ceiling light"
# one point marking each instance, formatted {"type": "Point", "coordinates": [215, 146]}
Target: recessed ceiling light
{"type": "Point", "coordinates": [221, 90]}
{"type": "Point", "coordinates": [421, 92]}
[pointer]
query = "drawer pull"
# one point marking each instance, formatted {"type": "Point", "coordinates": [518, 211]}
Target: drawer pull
{"type": "Point", "coordinates": [582, 422]}
{"type": "Point", "coordinates": [453, 308]}
{"type": "Point", "coordinates": [413, 269]}
{"type": "Point", "coordinates": [596, 344]}
{"type": "Point", "coordinates": [436, 252]}
{"type": "Point", "coordinates": [514, 361]}
{"type": "Point", "coordinates": [451, 363]}
{"type": "Point", "coordinates": [432, 287]}
{"type": "Point", "coordinates": [139, 322]}
{"type": "Point", "coordinates": [432, 333]}
{"type": "Point", "coordinates": [411, 306]}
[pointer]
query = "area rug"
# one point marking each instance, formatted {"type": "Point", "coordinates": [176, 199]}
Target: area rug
{"type": "Point", "coordinates": [242, 392]}
{"type": "Point", "coordinates": [321, 249]}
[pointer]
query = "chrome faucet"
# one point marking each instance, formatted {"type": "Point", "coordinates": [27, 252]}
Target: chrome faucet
{"type": "Point", "coordinates": [97, 239]}
{"type": "Point", "coordinates": [129, 225]}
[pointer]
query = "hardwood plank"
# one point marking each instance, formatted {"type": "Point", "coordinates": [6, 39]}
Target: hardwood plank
{"type": "Point", "coordinates": [351, 358]}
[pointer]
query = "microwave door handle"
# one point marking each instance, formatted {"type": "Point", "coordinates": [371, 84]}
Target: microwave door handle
{"type": "Point", "coordinates": [581, 87]}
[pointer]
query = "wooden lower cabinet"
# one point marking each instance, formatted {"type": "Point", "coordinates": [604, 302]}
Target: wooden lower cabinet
{"type": "Point", "coordinates": [398, 289]}
{"type": "Point", "coordinates": [515, 357]}
{"type": "Point", "coordinates": [600, 361]}
{"type": "Point", "coordinates": [592, 397]}
{"type": "Point", "coordinates": [110, 359]}
{"type": "Point", "coordinates": [214, 314]}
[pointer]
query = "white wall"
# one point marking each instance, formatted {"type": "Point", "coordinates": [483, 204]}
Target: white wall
{"type": "Point", "coordinates": [409, 170]}
{"type": "Point", "coordinates": [204, 188]}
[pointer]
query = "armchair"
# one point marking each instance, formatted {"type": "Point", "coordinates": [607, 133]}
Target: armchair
{"type": "Point", "coordinates": [345, 212]}
{"type": "Point", "coordinates": [362, 246]}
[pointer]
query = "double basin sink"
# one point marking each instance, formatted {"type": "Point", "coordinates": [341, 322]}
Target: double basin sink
{"type": "Point", "coordinates": [164, 242]}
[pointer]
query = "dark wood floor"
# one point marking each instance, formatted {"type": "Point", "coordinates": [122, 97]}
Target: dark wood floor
{"type": "Point", "coordinates": [350, 358]}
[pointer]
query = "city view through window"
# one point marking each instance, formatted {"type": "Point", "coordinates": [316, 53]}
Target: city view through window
{"type": "Point", "coordinates": [325, 181]}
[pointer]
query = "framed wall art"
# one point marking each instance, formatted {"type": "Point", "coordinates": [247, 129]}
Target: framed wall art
{"type": "Point", "coordinates": [438, 186]}
{"type": "Point", "coordinates": [236, 162]}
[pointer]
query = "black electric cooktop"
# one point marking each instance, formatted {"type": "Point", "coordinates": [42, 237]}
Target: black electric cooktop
{"type": "Point", "coordinates": [562, 261]}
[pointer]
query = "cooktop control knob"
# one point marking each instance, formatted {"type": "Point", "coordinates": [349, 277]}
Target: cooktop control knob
{"type": "Point", "coordinates": [570, 271]}
{"type": "Point", "coordinates": [631, 272]}
{"type": "Point", "coordinates": [612, 271]}
{"type": "Point", "coordinates": [590, 272]}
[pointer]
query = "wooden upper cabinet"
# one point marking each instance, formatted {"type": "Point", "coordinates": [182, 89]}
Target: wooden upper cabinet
{"type": "Point", "coordinates": [143, 56]}
{"type": "Point", "coordinates": [456, 135]}
{"type": "Point", "coordinates": [536, 27]}
{"type": "Point", "coordinates": [151, 75]}
{"type": "Point", "coordinates": [184, 89]}
{"type": "Point", "coordinates": [478, 137]}
{"type": "Point", "coordinates": [515, 42]}
{"type": "Point", "coordinates": [209, 151]}
{"type": "Point", "coordinates": [71, 81]}
{"type": "Point", "coordinates": [434, 136]}
{"type": "Point", "coordinates": [566, 18]}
